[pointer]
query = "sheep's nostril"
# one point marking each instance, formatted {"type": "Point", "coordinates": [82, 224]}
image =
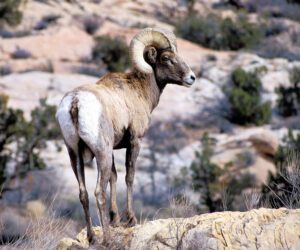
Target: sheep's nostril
{"type": "Point", "coordinates": [189, 78]}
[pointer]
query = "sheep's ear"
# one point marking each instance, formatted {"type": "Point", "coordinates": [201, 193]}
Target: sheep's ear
{"type": "Point", "coordinates": [151, 55]}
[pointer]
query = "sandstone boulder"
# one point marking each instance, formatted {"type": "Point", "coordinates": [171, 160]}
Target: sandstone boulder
{"type": "Point", "coordinates": [256, 229]}
{"type": "Point", "coordinates": [265, 143]}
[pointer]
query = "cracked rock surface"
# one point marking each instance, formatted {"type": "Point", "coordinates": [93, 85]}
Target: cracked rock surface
{"type": "Point", "coordinates": [256, 229]}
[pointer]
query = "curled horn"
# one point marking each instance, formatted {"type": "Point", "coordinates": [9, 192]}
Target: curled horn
{"type": "Point", "coordinates": [158, 38]}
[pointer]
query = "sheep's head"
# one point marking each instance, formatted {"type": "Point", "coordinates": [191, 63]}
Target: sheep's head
{"type": "Point", "coordinates": [155, 51]}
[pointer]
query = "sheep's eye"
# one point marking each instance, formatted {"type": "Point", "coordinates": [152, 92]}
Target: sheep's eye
{"type": "Point", "coordinates": [165, 58]}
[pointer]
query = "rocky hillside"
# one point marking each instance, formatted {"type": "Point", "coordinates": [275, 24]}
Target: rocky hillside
{"type": "Point", "coordinates": [257, 229]}
{"type": "Point", "coordinates": [51, 51]}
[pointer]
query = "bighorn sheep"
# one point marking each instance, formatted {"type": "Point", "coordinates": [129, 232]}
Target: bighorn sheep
{"type": "Point", "coordinates": [114, 113]}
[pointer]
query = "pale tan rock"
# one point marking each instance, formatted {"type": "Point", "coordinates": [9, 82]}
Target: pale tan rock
{"type": "Point", "coordinates": [25, 89]}
{"type": "Point", "coordinates": [93, 69]}
{"type": "Point", "coordinates": [46, 65]}
{"type": "Point", "coordinates": [265, 143]}
{"type": "Point", "coordinates": [26, 65]}
{"type": "Point", "coordinates": [256, 229]}
{"type": "Point", "coordinates": [64, 43]}
{"type": "Point", "coordinates": [274, 79]}
{"type": "Point", "coordinates": [260, 143]}
{"type": "Point", "coordinates": [261, 169]}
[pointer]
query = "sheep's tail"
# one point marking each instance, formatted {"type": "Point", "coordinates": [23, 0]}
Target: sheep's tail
{"type": "Point", "coordinates": [74, 111]}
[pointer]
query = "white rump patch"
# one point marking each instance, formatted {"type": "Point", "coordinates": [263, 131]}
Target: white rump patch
{"type": "Point", "coordinates": [90, 110]}
{"type": "Point", "coordinates": [65, 122]}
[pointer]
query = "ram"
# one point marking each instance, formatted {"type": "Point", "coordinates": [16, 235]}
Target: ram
{"type": "Point", "coordinates": [114, 113]}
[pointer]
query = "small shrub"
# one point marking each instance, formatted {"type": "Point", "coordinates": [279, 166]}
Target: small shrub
{"type": "Point", "coordinates": [275, 28]}
{"type": "Point", "coordinates": [113, 52]}
{"type": "Point", "coordinates": [245, 159]}
{"type": "Point", "coordinates": [283, 187]}
{"type": "Point", "coordinates": [240, 34]}
{"type": "Point", "coordinates": [293, 1]}
{"type": "Point", "coordinates": [203, 30]}
{"type": "Point", "coordinates": [5, 70]}
{"type": "Point", "coordinates": [245, 101]}
{"type": "Point", "coordinates": [93, 70]}
{"type": "Point", "coordinates": [10, 34]}
{"type": "Point", "coordinates": [211, 58]}
{"type": "Point", "coordinates": [275, 8]}
{"type": "Point", "coordinates": [46, 21]}
{"type": "Point", "coordinates": [5, 33]}
{"type": "Point", "coordinates": [190, 4]}
{"type": "Point", "coordinates": [139, 25]}
{"type": "Point", "coordinates": [29, 136]}
{"type": "Point", "coordinates": [20, 53]}
{"type": "Point", "coordinates": [248, 82]}
{"type": "Point", "coordinates": [216, 33]}
{"type": "Point", "coordinates": [10, 13]}
{"type": "Point", "coordinates": [270, 48]}
{"type": "Point", "coordinates": [295, 37]}
{"type": "Point", "coordinates": [49, 67]}
{"type": "Point", "coordinates": [291, 143]}
{"type": "Point", "coordinates": [289, 9]}
{"type": "Point", "coordinates": [91, 24]}
{"type": "Point", "coordinates": [219, 188]}
{"type": "Point", "coordinates": [288, 102]}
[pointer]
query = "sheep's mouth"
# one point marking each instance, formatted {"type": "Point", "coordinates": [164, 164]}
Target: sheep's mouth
{"type": "Point", "coordinates": [189, 79]}
{"type": "Point", "coordinates": [187, 84]}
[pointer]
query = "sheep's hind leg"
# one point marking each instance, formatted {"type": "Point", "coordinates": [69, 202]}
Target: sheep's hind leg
{"type": "Point", "coordinates": [131, 157]}
{"type": "Point", "coordinates": [104, 165]}
{"type": "Point", "coordinates": [78, 168]}
{"type": "Point", "coordinates": [114, 213]}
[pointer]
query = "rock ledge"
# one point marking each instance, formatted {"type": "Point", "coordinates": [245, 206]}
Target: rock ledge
{"type": "Point", "coordinates": [256, 229]}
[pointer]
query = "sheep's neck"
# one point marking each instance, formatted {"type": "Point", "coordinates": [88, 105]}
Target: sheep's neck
{"type": "Point", "coordinates": [156, 91]}
{"type": "Point", "coordinates": [149, 88]}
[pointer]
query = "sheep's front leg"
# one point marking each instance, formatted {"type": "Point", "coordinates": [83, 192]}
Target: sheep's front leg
{"type": "Point", "coordinates": [131, 157]}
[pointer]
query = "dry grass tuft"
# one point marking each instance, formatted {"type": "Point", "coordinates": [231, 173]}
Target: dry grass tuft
{"type": "Point", "coordinates": [286, 192]}
{"type": "Point", "coordinates": [252, 199]}
{"type": "Point", "coordinates": [41, 231]}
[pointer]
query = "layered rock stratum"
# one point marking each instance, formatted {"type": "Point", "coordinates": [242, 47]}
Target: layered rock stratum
{"type": "Point", "coordinates": [262, 229]}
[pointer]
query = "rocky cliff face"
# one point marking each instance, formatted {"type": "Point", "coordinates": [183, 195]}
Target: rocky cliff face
{"type": "Point", "coordinates": [255, 229]}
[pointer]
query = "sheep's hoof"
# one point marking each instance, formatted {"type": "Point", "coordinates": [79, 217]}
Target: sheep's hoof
{"type": "Point", "coordinates": [115, 223]}
{"type": "Point", "coordinates": [114, 219]}
{"type": "Point", "coordinates": [131, 221]}
{"type": "Point", "coordinates": [107, 241]}
{"type": "Point", "coordinates": [91, 238]}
